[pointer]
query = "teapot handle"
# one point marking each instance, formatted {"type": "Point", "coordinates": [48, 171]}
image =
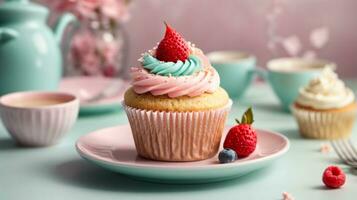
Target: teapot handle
{"type": "Point", "coordinates": [61, 25]}
{"type": "Point", "coordinates": [7, 34]}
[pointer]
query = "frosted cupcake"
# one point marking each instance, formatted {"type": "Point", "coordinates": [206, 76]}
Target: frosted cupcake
{"type": "Point", "coordinates": [175, 106]}
{"type": "Point", "coordinates": [325, 108]}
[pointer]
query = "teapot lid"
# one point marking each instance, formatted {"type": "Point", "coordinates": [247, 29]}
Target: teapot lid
{"type": "Point", "coordinates": [16, 8]}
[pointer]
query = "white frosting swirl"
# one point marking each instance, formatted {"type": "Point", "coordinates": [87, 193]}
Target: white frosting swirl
{"type": "Point", "coordinates": [325, 92]}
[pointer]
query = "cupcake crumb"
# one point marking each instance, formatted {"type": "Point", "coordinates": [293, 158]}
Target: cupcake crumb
{"type": "Point", "coordinates": [287, 196]}
{"type": "Point", "coordinates": [325, 148]}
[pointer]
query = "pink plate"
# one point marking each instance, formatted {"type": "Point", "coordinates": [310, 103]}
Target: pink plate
{"type": "Point", "coordinates": [85, 87]}
{"type": "Point", "coordinates": [114, 149]}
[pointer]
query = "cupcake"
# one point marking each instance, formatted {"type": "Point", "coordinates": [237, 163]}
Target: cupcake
{"type": "Point", "coordinates": [175, 107]}
{"type": "Point", "coordinates": [325, 108]}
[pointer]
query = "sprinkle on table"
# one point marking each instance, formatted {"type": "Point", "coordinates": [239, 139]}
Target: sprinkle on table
{"type": "Point", "coordinates": [287, 196]}
{"type": "Point", "coordinates": [325, 148]}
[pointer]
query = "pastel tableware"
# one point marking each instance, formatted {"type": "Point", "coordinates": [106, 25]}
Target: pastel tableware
{"type": "Point", "coordinates": [38, 118]}
{"type": "Point", "coordinates": [86, 87]}
{"type": "Point", "coordinates": [30, 51]}
{"type": "Point", "coordinates": [287, 75]}
{"type": "Point", "coordinates": [114, 149]}
{"type": "Point", "coordinates": [235, 69]}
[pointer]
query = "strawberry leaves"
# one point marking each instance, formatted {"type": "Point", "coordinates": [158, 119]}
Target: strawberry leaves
{"type": "Point", "coordinates": [247, 117]}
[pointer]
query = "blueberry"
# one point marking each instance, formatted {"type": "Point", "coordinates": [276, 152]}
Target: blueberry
{"type": "Point", "coordinates": [227, 156]}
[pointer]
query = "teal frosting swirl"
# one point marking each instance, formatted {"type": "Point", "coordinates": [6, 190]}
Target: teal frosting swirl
{"type": "Point", "coordinates": [155, 66]}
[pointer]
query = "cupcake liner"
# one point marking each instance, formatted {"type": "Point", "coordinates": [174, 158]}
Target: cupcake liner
{"type": "Point", "coordinates": [324, 125]}
{"type": "Point", "coordinates": [177, 136]}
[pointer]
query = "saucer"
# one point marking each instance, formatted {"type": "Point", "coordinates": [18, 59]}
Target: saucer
{"type": "Point", "coordinates": [85, 87]}
{"type": "Point", "coordinates": [114, 149]}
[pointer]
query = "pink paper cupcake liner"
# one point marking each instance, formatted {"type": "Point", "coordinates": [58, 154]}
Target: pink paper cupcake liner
{"type": "Point", "coordinates": [177, 136]}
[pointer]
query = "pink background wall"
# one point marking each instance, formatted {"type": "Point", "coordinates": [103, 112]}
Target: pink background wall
{"type": "Point", "coordinates": [242, 25]}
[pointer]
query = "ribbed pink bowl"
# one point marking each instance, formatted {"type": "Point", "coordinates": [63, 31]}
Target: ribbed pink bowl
{"type": "Point", "coordinates": [38, 125]}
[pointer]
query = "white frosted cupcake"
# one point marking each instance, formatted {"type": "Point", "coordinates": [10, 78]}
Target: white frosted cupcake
{"type": "Point", "coordinates": [325, 108]}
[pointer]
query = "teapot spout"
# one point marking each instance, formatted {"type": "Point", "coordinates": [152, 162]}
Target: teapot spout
{"type": "Point", "coordinates": [7, 34]}
{"type": "Point", "coordinates": [61, 25]}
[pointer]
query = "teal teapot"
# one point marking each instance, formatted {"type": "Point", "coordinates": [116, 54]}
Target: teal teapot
{"type": "Point", "coordinates": [30, 53]}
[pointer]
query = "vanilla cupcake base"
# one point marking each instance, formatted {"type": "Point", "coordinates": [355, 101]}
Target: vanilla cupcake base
{"type": "Point", "coordinates": [323, 124]}
{"type": "Point", "coordinates": [177, 136]}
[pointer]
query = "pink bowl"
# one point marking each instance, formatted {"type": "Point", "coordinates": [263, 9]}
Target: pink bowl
{"type": "Point", "coordinates": [38, 118]}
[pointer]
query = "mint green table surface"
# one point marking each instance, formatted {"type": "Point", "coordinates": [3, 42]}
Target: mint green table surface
{"type": "Point", "coordinates": [59, 173]}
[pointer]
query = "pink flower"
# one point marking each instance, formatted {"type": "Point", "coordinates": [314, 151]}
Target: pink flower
{"type": "Point", "coordinates": [64, 5]}
{"type": "Point", "coordinates": [83, 43]}
{"type": "Point", "coordinates": [90, 64]}
{"type": "Point", "coordinates": [109, 71]}
{"type": "Point", "coordinates": [81, 8]}
{"type": "Point", "coordinates": [110, 52]}
{"type": "Point", "coordinates": [112, 9]}
{"type": "Point", "coordinates": [84, 51]}
{"type": "Point", "coordinates": [115, 9]}
{"type": "Point", "coordinates": [87, 7]}
{"type": "Point", "coordinates": [90, 4]}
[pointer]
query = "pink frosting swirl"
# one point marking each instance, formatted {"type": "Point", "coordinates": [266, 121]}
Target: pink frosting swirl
{"type": "Point", "coordinates": [206, 80]}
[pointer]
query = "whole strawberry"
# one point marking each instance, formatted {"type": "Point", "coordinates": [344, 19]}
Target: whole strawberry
{"type": "Point", "coordinates": [242, 138]}
{"type": "Point", "coordinates": [173, 47]}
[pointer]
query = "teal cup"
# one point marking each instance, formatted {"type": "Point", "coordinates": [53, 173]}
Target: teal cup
{"type": "Point", "coordinates": [287, 75]}
{"type": "Point", "coordinates": [236, 70]}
